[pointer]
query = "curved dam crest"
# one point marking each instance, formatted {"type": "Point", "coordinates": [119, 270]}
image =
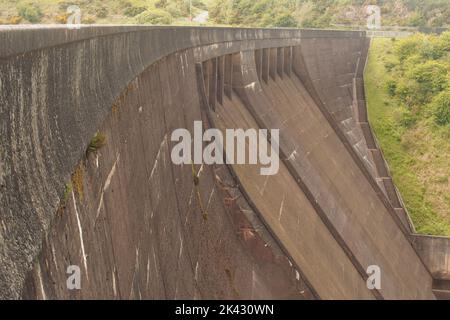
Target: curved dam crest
{"type": "Point", "coordinates": [140, 227]}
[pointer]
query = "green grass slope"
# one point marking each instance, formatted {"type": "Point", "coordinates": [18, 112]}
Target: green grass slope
{"type": "Point", "coordinates": [418, 155]}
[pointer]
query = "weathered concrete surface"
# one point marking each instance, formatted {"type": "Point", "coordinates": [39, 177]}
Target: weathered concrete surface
{"type": "Point", "coordinates": [435, 253]}
{"type": "Point", "coordinates": [57, 87]}
{"type": "Point", "coordinates": [350, 207]}
{"type": "Point", "coordinates": [293, 219]}
{"type": "Point", "coordinates": [137, 228]}
{"type": "Point", "coordinates": [334, 78]}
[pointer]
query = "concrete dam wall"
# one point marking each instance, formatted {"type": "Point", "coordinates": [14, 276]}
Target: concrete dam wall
{"type": "Point", "coordinates": [139, 226]}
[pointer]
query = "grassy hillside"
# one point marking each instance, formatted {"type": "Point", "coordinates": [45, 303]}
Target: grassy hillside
{"type": "Point", "coordinates": [260, 13]}
{"type": "Point", "coordinates": [329, 13]}
{"type": "Point", "coordinates": [409, 110]}
{"type": "Point", "coordinates": [100, 11]}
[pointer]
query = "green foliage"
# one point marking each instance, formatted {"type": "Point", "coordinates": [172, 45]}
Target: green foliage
{"type": "Point", "coordinates": [407, 118]}
{"type": "Point", "coordinates": [285, 20]}
{"type": "Point", "coordinates": [391, 87]}
{"type": "Point", "coordinates": [426, 80]}
{"type": "Point", "coordinates": [30, 12]}
{"type": "Point", "coordinates": [405, 48]}
{"type": "Point", "coordinates": [67, 191]}
{"type": "Point", "coordinates": [444, 42]}
{"type": "Point", "coordinates": [441, 107]}
{"type": "Point", "coordinates": [390, 66]}
{"type": "Point", "coordinates": [134, 11]}
{"type": "Point", "coordinates": [409, 110]}
{"type": "Point", "coordinates": [423, 46]}
{"type": "Point", "coordinates": [101, 12]}
{"type": "Point", "coordinates": [98, 141]}
{"type": "Point", "coordinates": [417, 20]}
{"type": "Point", "coordinates": [259, 13]}
{"type": "Point", "coordinates": [154, 16]}
{"type": "Point", "coordinates": [133, 8]}
{"type": "Point", "coordinates": [325, 13]}
{"type": "Point", "coordinates": [423, 70]}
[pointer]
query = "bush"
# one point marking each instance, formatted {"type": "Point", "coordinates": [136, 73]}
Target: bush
{"type": "Point", "coordinates": [441, 107]}
{"type": "Point", "coordinates": [14, 20]}
{"type": "Point", "coordinates": [406, 91]}
{"type": "Point", "coordinates": [407, 118]}
{"type": "Point", "coordinates": [199, 4]}
{"type": "Point", "coordinates": [174, 10]}
{"type": "Point", "coordinates": [444, 41]}
{"type": "Point", "coordinates": [154, 16]}
{"type": "Point", "coordinates": [391, 87]}
{"type": "Point", "coordinates": [30, 12]}
{"type": "Point", "coordinates": [423, 81]}
{"type": "Point", "coordinates": [133, 11]}
{"type": "Point", "coordinates": [101, 12]}
{"type": "Point", "coordinates": [424, 46]}
{"type": "Point", "coordinates": [417, 20]}
{"type": "Point", "coordinates": [285, 20]}
{"type": "Point", "coordinates": [97, 142]}
{"type": "Point", "coordinates": [389, 66]}
{"type": "Point", "coordinates": [88, 19]}
{"type": "Point", "coordinates": [61, 18]}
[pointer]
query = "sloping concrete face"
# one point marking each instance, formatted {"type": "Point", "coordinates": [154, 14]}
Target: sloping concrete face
{"type": "Point", "coordinates": [139, 230]}
{"type": "Point", "coordinates": [343, 198]}
{"type": "Point", "coordinates": [140, 227]}
{"type": "Point", "coordinates": [332, 71]}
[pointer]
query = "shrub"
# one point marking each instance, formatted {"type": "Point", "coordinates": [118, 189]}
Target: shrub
{"type": "Point", "coordinates": [432, 48]}
{"type": "Point", "coordinates": [88, 19]}
{"type": "Point", "coordinates": [133, 11]}
{"type": "Point", "coordinates": [285, 20]}
{"type": "Point", "coordinates": [174, 10]}
{"type": "Point", "coordinates": [154, 16]}
{"type": "Point", "coordinates": [77, 181]}
{"type": "Point", "coordinates": [416, 20]}
{"type": "Point", "coordinates": [425, 46]}
{"type": "Point", "coordinates": [14, 20]}
{"type": "Point", "coordinates": [97, 142]}
{"type": "Point", "coordinates": [406, 91]}
{"type": "Point", "coordinates": [391, 86]}
{"type": "Point", "coordinates": [441, 107]}
{"type": "Point", "coordinates": [199, 4]}
{"type": "Point", "coordinates": [389, 66]}
{"type": "Point", "coordinates": [444, 41]}
{"type": "Point", "coordinates": [101, 12]}
{"type": "Point", "coordinates": [30, 12]}
{"type": "Point", "coordinates": [407, 118]}
{"type": "Point", "coordinates": [423, 81]}
{"type": "Point", "coordinates": [67, 191]}
{"type": "Point", "coordinates": [61, 18]}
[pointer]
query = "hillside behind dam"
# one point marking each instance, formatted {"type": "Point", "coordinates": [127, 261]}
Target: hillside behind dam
{"type": "Point", "coordinates": [139, 226]}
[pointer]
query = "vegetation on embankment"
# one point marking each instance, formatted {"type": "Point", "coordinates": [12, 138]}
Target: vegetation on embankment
{"type": "Point", "coordinates": [248, 13]}
{"type": "Point", "coordinates": [408, 94]}
{"type": "Point", "coordinates": [157, 12]}
{"type": "Point", "coordinates": [328, 13]}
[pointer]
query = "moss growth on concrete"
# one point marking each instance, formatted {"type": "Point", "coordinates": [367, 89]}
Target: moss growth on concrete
{"type": "Point", "coordinates": [78, 181]}
{"type": "Point", "coordinates": [67, 191]}
{"type": "Point", "coordinates": [196, 182]}
{"type": "Point", "coordinates": [98, 141]}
